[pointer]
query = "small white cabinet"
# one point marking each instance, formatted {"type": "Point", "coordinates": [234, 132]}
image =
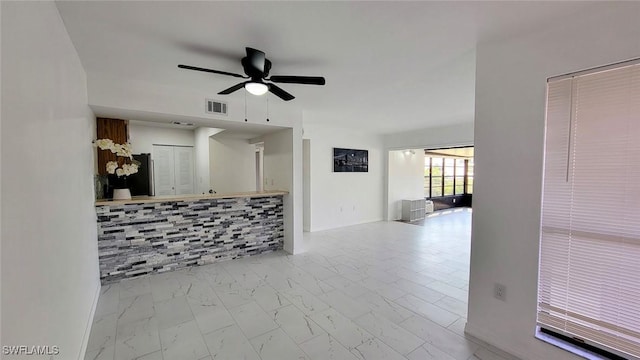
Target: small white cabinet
{"type": "Point", "coordinates": [413, 210]}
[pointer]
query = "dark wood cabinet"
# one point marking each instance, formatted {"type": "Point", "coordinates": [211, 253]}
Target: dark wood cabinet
{"type": "Point", "coordinates": [114, 129]}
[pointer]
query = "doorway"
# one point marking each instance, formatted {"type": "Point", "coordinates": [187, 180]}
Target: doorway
{"type": "Point", "coordinates": [448, 177]}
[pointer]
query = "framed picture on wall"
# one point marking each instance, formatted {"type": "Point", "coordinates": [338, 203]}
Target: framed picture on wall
{"type": "Point", "coordinates": [350, 160]}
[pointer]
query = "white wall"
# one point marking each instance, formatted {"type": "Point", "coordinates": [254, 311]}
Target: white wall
{"type": "Point", "coordinates": [406, 179]}
{"type": "Point", "coordinates": [432, 138]}
{"type": "Point", "coordinates": [306, 179]}
{"type": "Point", "coordinates": [232, 164]}
{"type": "Point", "coordinates": [343, 199]}
{"type": "Point", "coordinates": [509, 138]}
{"type": "Point", "coordinates": [50, 278]}
{"type": "Point", "coordinates": [201, 153]}
{"type": "Point", "coordinates": [283, 171]}
{"type": "Point", "coordinates": [142, 137]}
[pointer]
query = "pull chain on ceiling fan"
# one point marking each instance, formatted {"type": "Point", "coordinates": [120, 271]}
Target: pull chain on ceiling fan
{"type": "Point", "coordinates": [256, 67]}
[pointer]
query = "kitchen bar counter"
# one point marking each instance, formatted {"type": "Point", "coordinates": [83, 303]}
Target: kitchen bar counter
{"type": "Point", "coordinates": [152, 199]}
{"type": "Point", "coordinates": [149, 235]}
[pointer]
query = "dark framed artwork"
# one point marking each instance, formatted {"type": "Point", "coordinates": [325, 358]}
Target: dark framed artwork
{"type": "Point", "coordinates": [350, 160]}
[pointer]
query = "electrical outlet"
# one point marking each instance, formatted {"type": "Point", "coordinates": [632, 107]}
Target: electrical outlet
{"type": "Point", "coordinates": [500, 292]}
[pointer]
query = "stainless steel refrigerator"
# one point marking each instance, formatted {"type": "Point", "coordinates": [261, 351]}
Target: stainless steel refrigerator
{"type": "Point", "coordinates": [141, 183]}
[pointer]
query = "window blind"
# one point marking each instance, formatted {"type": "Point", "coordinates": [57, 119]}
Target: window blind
{"type": "Point", "coordinates": [589, 277]}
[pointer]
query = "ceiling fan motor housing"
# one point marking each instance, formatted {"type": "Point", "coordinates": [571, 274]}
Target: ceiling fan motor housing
{"type": "Point", "coordinates": [254, 73]}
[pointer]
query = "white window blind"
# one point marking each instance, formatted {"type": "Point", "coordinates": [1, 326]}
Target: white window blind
{"type": "Point", "coordinates": [589, 280]}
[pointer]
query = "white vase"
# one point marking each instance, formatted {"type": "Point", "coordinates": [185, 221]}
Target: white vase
{"type": "Point", "coordinates": [121, 194]}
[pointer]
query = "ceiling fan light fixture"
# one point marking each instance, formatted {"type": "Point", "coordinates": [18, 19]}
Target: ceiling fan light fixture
{"type": "Point", "coordinates": [256, 88]}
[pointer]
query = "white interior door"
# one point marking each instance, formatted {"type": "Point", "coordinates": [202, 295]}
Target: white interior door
{"type": "Point", "coordinates": [163, 170]}
{"type": "Point", "coordinates": [184, 177]}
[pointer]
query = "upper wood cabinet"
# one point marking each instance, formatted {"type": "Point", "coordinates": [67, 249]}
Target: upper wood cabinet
{"type": "Point", "coordinates": [114, 129]}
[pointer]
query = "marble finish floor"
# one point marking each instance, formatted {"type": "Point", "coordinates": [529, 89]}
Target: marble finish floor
{"type": "Point", "coordinates": [382, 290]}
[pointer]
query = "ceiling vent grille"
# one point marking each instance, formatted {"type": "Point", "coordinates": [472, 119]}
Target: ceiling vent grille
{"type": "Point", "coordinates": [215, 107]}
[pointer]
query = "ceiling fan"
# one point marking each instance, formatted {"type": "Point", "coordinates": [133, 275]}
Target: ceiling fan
{"type": "Point", "coordinates": [256, 67]}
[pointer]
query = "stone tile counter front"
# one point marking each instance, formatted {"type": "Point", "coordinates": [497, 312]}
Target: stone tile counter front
{"type": "Point", "coordinates": [151, 235]}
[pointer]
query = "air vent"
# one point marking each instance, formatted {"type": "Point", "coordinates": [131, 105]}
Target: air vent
{"type": "Point", "coordinates": [216, 107]}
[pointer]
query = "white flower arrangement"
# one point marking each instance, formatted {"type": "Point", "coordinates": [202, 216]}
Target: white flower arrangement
{"type": "Point", "coordinates": [124, 164]}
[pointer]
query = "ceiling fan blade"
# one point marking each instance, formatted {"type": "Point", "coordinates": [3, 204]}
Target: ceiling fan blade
{"type": "Point", "coordinates": [256, 59]}
{"type": "Point", "coordinates": [188, 67]}
{"type": "Point", "coordinates": [232, 89]}
{"type": "Point", "coordinates": [307, 80]}
{"type": "Point", "coordinates": [275, 90]}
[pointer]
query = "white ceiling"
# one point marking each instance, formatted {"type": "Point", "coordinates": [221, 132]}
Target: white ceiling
{"type": "Point", "coordinates": [390, 66]}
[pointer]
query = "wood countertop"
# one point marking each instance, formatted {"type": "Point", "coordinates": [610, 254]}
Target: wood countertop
{"type": "Point", "coordinates": [152, 199]}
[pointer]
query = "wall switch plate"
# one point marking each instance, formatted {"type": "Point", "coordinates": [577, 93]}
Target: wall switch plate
{"type": "Point", "coordinates": [500, 292]}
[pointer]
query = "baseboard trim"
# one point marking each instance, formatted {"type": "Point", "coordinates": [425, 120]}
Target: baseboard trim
{"type": "Point", "coordinates": [87, 331]}
{"type": "Point", "coordinates": [493, 340]}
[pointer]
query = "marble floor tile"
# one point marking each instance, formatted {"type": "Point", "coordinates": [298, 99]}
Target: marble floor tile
{"type": "Point", "coordinates": [134, 287]}
{"type": "Point", "coordinates": [214, 319]}
{"type": "Point", "coordinates": [449, 290]}
{"type": "Point", "coordinates": [415, 289]}
{"type": "Point", "coordinates": [201, 297]}
{"type": "Point", "coordinates": [350, 288]}
{"type": "Point", "coordinates": [183, 342]}
{"type": "Point", "coordinates": [387, 308]}
{"type": "Point", "coordinates": [233, 294]}
{"type": "Point", "coordinates": [280, 282]}
{"type": "Point", "coordinates": [252, 319]}
{"type": "Point", "coordinates": [382, 290]}
{"type": "Point", "coordinates": [106, 353]}
{"type": "Point", "coordinates": [165, 287]}
{"type": "Point", "coordinates": [428, 352]}
{"type": "Point", "coordinates": [453, 305]}
{"type": "Point", "coordinates": [348, 333]}
{"type": "Point", "coordinates": [173, 312]}
{"type": "Point", "coordinates": [137, 338]}
{"type": "Point", "coordinates": [459, 283]}
{"type": "Point", "coordinates": [268, 298]}
{"type": "Point", "coordinates": [485, 354]}
{"type": "Point", "coordinates": [391, 334]}
{"type": "Point", "coordinates": [243, 274]}
{"type": "Point", "coordinates": [375, 349]}
{"type": "Point", "coordinates": [103, 332]}
{"type": "Point", "coordinates": [135, 308]}
{"type": "Point", "coordinates": [305, 301]}
{"type": "Point", "coordinates": [458, 326]}
{"type": "Point", "coordinates": [220, 279]}
{"type": "Point", "coordinates": [325, 347]}
{"type": "Point", "coordinates": [108, 300]}
{"type": "Point", "coordinates": [152, 356]}
{"type": "Point", "coordinates": [432, 312]}
{"type": "Point", "coordinates": [296, 324]}
{"type": "Point", "coordinates": [343, 304]}
{"type": "Point", "coordinates": [312, 284]}
{"type": "Point", "coordinates": [276, 345]}
{"type": "Point", "coordinates": [318, 271]}
{"type": "Point", "coordinates": [349, 272]}
{"type": "Point", "coordinates": [230, 343]}
{"type": "Point", "coordinates": [456, 346]}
